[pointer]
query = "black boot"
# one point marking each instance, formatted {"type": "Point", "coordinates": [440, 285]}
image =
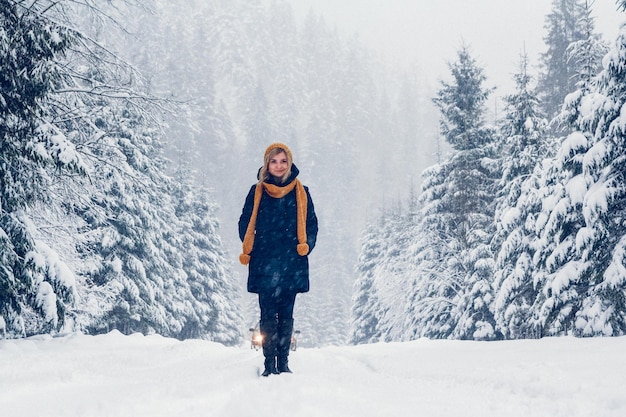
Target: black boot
{"type": "Point", "coordinates": [285, 330]}
{"type": "Point", "coordinates": [283, 365]}
{"type": "Point", "coordinates": [270, 367]}
{"type": "Point", "coordinates": [270, 338]}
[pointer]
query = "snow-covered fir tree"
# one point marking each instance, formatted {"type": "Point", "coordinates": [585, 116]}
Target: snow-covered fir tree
{"type": "Point", "coordinates": [200, 255]}
{"type": "Point", "coordinates": [365, 303]}
{"type": "Point", "coordinates": [33, 154]}
{"type": "Point", "coordinates": [454, 294]}
{"type": "Point", "coordinates": [583, 250]}
{"type": "Point", "coordinates": [586, 54]}
{"type": "Point", "coordinates": [385, 263]}
{"type": "Point", "coordinates": [523, 132]}
{"type": "Point", "coordinates": [430, 289]}
{"type": "Point", "coordinates": [130, 218]}
{"type": "Point", "coordinates": [567, 23]}
{"type": "Point", "coordinates": [158, 264]}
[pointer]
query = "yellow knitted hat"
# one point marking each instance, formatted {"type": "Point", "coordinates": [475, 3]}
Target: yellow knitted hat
{"type": "Point", "coordinates": [275, 146]}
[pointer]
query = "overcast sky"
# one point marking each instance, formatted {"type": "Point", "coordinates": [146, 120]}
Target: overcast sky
{"type": "Point", "coordinates": [428, 33]}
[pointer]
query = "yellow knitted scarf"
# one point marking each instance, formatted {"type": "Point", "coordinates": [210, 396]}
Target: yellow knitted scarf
{"type": "Point", "coordinates": [276, 191]}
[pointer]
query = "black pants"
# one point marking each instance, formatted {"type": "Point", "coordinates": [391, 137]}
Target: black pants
{"type": "Point", "coordinates": [277, 304]}
{"type": "Point", "coordinates": [276, 326]}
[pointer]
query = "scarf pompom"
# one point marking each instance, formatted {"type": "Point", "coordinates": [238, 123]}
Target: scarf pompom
{"type": "Point", "coordinates": [244, 259]}
{"type": "Point", "coordinates": [303, 249]}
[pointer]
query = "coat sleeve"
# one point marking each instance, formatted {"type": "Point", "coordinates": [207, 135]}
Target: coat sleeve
{"type": "Point", "coordinates": [246, 213]}
{"type": "Point", "coordinates": [311, 222]}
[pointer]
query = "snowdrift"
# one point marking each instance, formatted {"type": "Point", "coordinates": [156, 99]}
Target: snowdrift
{"type": "Point", "coordinates": [114, 375]}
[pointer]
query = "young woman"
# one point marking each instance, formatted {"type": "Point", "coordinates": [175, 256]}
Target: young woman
{"type": "Point", "coordinates": [278, 228]}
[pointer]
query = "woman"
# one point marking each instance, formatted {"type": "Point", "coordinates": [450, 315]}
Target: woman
{"type": "Point", "coordinates": [278, 228]}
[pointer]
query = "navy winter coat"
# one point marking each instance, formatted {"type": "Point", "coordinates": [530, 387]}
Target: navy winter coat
{"type": "Point", "coordinates": [274, 260]}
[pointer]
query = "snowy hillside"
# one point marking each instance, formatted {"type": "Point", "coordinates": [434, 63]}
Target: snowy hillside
{"type": "Point", "coordinates": [116, 375]}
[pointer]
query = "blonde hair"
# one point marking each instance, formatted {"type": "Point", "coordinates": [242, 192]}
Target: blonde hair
{"type": "Point", "coordinates": [264, 174]}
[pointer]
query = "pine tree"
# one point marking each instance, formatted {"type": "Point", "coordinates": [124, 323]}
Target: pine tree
{"type": "Point", "coordinates": [32, 153]}
{"type": "Point", "coordinates": [567, 23]}
{"type": "Point", "coordinates": [365, 305]}
{"type": "Point", "coordinates": [151, 273]}
{"type": "Point", "coordinates": [459, 213]}
{"type": "Point", "coordinates": [430, 288]}
{"type": "Point", "coordinates": [379, 302]}
{"type": "Point", "coordinates": [585, 293]}
{"type": "Point", "coordinates": [199, 254]}
{"type": "Point", "coordinates": [586, 54]}
{"type": "Point", "coordinates": [523, 131]}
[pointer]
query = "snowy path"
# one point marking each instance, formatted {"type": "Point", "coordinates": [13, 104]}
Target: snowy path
{"type": "Point", "coordinates": [114, 375]}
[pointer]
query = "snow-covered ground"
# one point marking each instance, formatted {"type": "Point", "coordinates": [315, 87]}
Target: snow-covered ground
{"type": "Point", "coordinates": [114, 375]}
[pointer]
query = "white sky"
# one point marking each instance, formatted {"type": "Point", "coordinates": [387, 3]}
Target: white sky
{"type": "Point", "coordinates": [428, 33]}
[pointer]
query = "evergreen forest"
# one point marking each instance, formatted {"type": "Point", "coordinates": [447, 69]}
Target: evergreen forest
{"type": "Point", "coordinates": [131, 131]}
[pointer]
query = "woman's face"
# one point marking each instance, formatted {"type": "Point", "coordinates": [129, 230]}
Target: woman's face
{"type": "Point", "coordinates": [278, 165]}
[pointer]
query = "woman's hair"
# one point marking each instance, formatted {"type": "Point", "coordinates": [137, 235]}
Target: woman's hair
{"type": "Point", "coordinates": [264, 174]}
